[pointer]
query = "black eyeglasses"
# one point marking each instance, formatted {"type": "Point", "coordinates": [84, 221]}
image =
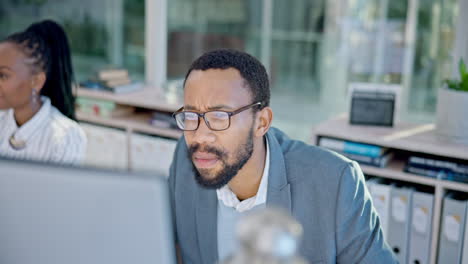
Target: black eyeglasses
{"type": "Point", "coordinates": [214, 120]}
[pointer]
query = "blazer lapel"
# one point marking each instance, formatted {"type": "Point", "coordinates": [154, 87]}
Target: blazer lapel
{"type": "Point", "coordinates": [206, 222]}
{"type": "Point", "coordinates": [279, 194]}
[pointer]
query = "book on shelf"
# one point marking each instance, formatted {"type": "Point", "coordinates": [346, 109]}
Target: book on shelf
{"type": "Point", "coordinates": [381, 161]}
{"type": "Point", "coordinates": [438, 174]}
{"type": "Point", "coordinates": [112, 80]}
{"type": "Point", "coordinates": [102, 108]}
{"type": "Point", "coordinates": [127, 88]}
{"type": "Point", "coordinates": [350, 147]}
{"type": "Point", "coordinates": [438, 164]}
{"type": "Point", "coordinates": [119, 89]}
{"type": "Point", "coordinates": [111, 74]}
{"type": "Point", "coordinates": [116, 82]}
{"type": "Point", "coordinates": [163, 120]}
{"type": "Point", "coordinates": [424, 172]}
{"type": "Point", "coordinates": [441, 169]}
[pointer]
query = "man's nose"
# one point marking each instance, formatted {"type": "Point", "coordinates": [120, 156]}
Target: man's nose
{"type": "Point", "coordinates": [204, 134]}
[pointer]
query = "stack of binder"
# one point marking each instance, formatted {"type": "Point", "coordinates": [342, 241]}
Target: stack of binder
{"type": "Point", "coordinates": [112, 80]}
{"type": "Point", "coordinates": [437, 168]}
{"type": "Point", "coordinates": [363, 153]}
{"type": "Point", "coordinates": [465, 240]}
{"type": "Point", "coordinates": [452, 230]}
{"type": "Point", "coordinates": [421, 228]}
{"type": "Point", "coordinates": [380, 193]}
{"type": "Point", "coordinates": [399, 224]}
{"type": "Point", "coordinates": [406, 219]}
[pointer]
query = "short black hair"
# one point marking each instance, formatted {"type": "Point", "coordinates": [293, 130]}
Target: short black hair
{"type": "Point", "coordinates": [47, 44]}
{"type": "Point", "coordinates": [252, 70]}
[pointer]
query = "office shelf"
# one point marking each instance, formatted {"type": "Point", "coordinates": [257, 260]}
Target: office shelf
{"type": "Point", "coordinates": [150, 98]}
{"type": "Point", "coordinates": [405, 138]}
{"type": "Point", "coordinates": [134, 123]}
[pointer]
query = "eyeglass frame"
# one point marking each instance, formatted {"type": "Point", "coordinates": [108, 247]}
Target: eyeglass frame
{"type": "Point", "coordinates": [202, 115]}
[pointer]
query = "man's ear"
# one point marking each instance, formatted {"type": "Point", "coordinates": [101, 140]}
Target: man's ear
{"type": "Point", "coordinates": [264, 119]}
{"type": "Point", "coordinates": [38, 81]}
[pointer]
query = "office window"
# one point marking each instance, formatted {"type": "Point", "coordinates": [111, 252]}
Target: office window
{"type": "Point", "coordinates": [195, 27]}
{"type": "Point", "coordinates": [101, 33]}
{"type": "Point", "coordinates": [404, 42]}
{"type": "Point", "coordinates": [296, 41]}
{"type": "Point", "coordinates": [292, 48]}
{"type": "Point", "coordinates": [313, 49]}
{"type": "Point", "coordinates": [433, 54]}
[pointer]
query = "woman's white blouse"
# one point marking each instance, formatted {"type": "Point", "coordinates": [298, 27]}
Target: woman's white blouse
{"type": "Point", "coordinates": [49, 135]}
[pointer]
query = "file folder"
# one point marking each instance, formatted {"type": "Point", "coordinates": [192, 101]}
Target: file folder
{"type": "Point", "coordinates": [421, 228]}
{"type": "Point", "coordinates": [381, 199]}
{"type": "Point", "coordinates": [113, 141]}
{"type": "Point", "coordinates": [452, 230]}
{"type": "Point", "coordinates": [465, 241]}
{"type": "Point", "coordinates": [399, 224]}
{"type": "Point", "coordinates": [370, 182]}
{"type": "Point", "coordinates": [145, 148]}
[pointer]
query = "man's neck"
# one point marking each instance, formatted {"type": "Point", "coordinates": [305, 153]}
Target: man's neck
{"type": "Point", "coordinates": [247, 181]}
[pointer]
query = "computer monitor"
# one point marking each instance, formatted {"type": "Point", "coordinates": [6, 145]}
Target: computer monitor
{"type": "Point", "coordinates": [56, 215]}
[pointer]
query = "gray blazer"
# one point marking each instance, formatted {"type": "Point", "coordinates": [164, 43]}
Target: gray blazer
{"type": "Point", "coordinates": [324, 191]}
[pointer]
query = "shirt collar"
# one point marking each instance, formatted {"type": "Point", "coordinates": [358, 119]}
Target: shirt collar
{"type": "Point", "coordinates": [262, 189]}
{"type": "Point", "coordinates": [229, 199]}
{"type": "Point", "coordinates": [28, 128]}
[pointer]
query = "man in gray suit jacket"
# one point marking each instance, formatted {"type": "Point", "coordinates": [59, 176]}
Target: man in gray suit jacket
{"type": "Point", "coordinates": [231, 162]}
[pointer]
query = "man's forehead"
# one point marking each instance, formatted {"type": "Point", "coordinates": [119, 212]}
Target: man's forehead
{"type": "Point", "coordinates": [189, 107]}
{"type": "Point", "coordinates": [217, 98]}
{"type": "Point", "coordinates": [231, 75]}
{"type": "Point", "coordinates": [214, 88]}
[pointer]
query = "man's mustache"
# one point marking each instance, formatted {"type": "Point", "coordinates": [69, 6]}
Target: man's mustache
{"type": "Point", "coordinates": [208, 149]}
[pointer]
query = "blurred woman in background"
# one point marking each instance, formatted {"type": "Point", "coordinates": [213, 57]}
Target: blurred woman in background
{"type": "Point", "coordinates": [36, 78]}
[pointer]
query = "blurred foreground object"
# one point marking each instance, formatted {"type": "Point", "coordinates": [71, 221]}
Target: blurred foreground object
{"type": "Point", "coordinates": [268, 236]}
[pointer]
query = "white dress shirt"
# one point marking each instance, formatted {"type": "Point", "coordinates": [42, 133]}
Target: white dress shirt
{"type": "Point", "coordinates": [229, 199]}
{"type": "Point", "coordinates": [49, 136]}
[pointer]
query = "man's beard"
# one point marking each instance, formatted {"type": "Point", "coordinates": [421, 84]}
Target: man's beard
{"type": "Point", "coordinates": [244, 152]}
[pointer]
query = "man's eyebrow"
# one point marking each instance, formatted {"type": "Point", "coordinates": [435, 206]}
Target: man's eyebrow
{"type": "Point", "coordinates": [5, 67]}
{"type": "Point", "coordinates": [211, 108]}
